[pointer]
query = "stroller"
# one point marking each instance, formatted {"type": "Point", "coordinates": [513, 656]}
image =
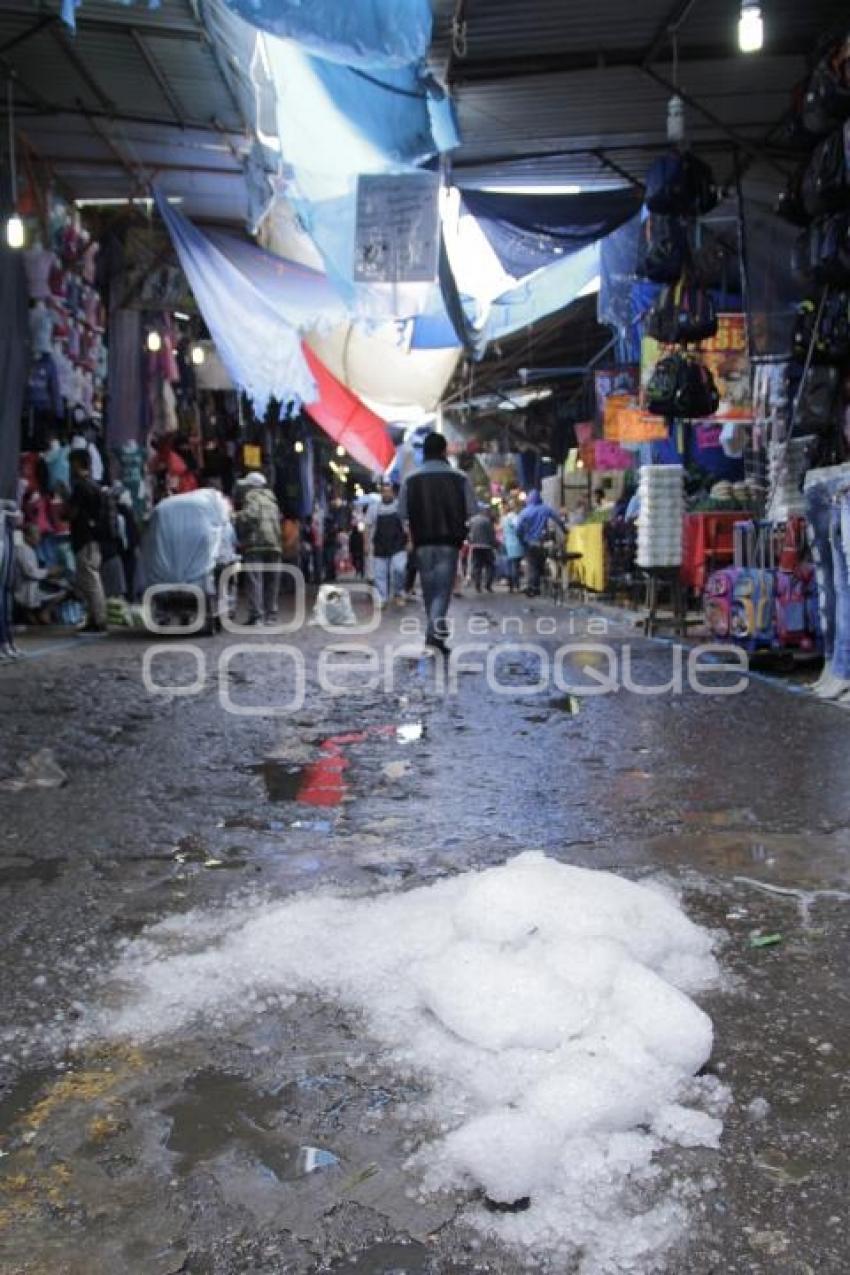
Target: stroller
{"type": "Point", "coordinates": [189, 541]}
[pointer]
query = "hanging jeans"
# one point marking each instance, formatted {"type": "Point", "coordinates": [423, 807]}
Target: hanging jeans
{"type": "Point", "coordinates": [437, 570]}
{"type": "Point", "coordinates": [89, 584]}
{"type": "Point", "coordinates": [828, 515]}
{"type": "Point", "coordinates": [389, 575]}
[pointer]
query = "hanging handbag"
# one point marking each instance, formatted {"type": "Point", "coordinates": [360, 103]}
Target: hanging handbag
{"type": "Point", "coordinates": [816, 401]}
{"type": "Point", "coordinates": [663, 250]}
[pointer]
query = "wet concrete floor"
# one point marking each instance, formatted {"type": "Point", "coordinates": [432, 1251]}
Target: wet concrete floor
{"type": "Point", "coordinates": [274, 1149]}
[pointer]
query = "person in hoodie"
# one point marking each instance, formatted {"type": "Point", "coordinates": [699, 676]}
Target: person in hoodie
{"type": "Point", "coordinates": [257, 525]}
{"type": "Point", "coordinates": [532, 525]}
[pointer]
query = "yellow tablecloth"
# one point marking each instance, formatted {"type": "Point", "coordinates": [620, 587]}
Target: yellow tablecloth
{"type": "Point", "coordinates": [588, 539]}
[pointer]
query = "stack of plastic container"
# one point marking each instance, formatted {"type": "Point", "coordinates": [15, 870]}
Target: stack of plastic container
{"type": "Point", "coordinates": [662, 508]}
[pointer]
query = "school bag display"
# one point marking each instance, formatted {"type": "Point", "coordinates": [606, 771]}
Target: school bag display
{"type": "Point", "coordinates": [682, 387]}
{"type": "Point", "coordinates": [679, 184]}
{"type": "Point", "coordinates": [663, 250]}
{"type": "Point", "coordinates": [826, 183]}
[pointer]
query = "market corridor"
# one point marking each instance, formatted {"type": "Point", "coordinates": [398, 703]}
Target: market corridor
{"type": "Point", "coordinates": [273, 1134]}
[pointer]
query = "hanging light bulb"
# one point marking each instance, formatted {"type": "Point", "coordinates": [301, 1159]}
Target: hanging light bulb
{"type": "Point", "coordinates": [750, 27]}
{"type": "Point", "coordinates": [154, 341]}
{"type": "Point", "coordinates": [340, 451]}
{"type": "Point", "coordinates": [199, 354]}
{"type": "Point", "coordinates": [15, 232]}
{"type": "Point", "coordinates": [675, 119]}
{"type": "Point", "coordinates": [14, 226]}
{"type": "Point", "coordinates": [299, 447]}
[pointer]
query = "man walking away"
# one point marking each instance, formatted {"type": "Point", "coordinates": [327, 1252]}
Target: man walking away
{"type": "Point", "coordinates": [258, 529]}
{"type": "Point", "coordinates": [388, 545]}
{"type": "Point", "coordinates": [87, 514]}
{"type": "Point", "coordinates": [436, 503]}
{"type": "Point", "coordinates": [532, 525]}
{"type": "Point", "coordinates": [482, 542]}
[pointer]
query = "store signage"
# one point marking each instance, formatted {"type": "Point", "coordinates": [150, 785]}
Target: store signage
{"type": "Point", "coordinates": [397, 236]}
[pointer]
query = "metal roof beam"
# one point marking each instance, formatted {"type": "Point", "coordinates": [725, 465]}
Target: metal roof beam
{"type": "Point", "coordinates": [34, 30]}
{"type": "Point", "coordinates": [159, 75]}
{"type": "Point", "coordinates": [88, 161]}
{"type": "Point", "coordinates": [32, 93]}
{"type": "Point", "coordinates": [496, 69]}
{"type": "Point", "coordinates": [82, 70]}
{"type": "Point", "coordinates": [49, 110]}
{"type": "Point", "coordinates": [668, 29]}
{"type": "Point", "coordinates": [170, 30]}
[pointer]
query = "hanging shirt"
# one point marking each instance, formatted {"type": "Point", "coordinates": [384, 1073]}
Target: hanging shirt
{"type": "Point", "coordinates": [41, 329]}
{"type": "Point", "coordinates": [57, 465]}
{"type": "Point", "coordinates": [38, 262]}
{"type": "Point", "coordinates": [43, 387]}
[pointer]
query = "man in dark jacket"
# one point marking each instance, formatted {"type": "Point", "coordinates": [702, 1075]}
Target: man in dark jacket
{"type": "Point", "coordinates": [87, 514]}
{"type": "Point", "coordinates": [436, 503]}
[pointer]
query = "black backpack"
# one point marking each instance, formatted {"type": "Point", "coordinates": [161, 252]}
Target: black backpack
{"type": "Point", "coordinates": [683, 315]}
{"type": "Point", "coordinates": [827, 100]}
{"type": "Point", "coordinates": [816, 402]}
{"type": "Point", "coordinates": [663, 251]}
{"type": "Point", "coordinates": [682, 387]}
{"type": "Point", "coordinates": [826, 183]}
{"type": "Point", "coordinates": [679, 184]}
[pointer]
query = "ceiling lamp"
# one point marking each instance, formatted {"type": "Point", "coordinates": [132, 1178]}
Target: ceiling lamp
{"type": "Point", "coordinates": [14, 226]}
{"type": "Point", "coordinates": [299, 447]}
{"type": "Point", "coordinates": [750, 27]}
{"type": "Point", "coordinates": [154, 341]}
{"type": "Point", "coordinates": [340, 451]}
{"type": "Point", "coordinates": [198, 354]}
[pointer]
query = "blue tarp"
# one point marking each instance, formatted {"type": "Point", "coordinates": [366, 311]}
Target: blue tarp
{"type": "Point", "coordinates": [336, 122]}
{"type": "Point", "coordinates": [373, 34]}
{"type": "Point", "coordinates": [261, 351]}
{"type": "Point", "coordinates": [529, 232]}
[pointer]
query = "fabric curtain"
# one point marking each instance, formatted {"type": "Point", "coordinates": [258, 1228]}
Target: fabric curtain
{"type": "Point", "coordinates": [529, 232]}
{"type": "Point", "coordinates": [14, 365]}
{"type": "Point", "coordinates": [348, 421]}
{"type": "Point", "coordinates": [261, 351]}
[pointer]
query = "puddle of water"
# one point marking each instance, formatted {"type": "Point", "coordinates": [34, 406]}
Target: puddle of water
{"type": "Point", "coordinates": [221, 1108]}
{"type": "Point", "coordinates": [387, 1259]}
{"type": "Point", "coordinates": [567, 704]}
{"type": "Point", "coordinates": [798, 858]}
{"type": "Point", "coordinates": [19, 1097]}
{"type": "Point", "coordinates": [45, 871]}
{"type": "Point", "coordinates": [282, 781]}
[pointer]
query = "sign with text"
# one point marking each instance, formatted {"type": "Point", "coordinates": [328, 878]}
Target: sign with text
{"type": "Point", "coordinates": [397, 238]}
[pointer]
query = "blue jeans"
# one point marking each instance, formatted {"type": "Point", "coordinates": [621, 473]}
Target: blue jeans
{"type": "Point", "coordinates": [437, 571]}
{"type": "Point", "coordinates": [829, 534]}
{"type": "Point", "coordinates": [389, 575]}
{"type": "Point", "coordinates": [535, 556]}
{"type": "Point", "coordinates": [514, 565]}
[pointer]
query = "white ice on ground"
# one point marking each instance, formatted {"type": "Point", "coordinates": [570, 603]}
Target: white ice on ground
{"type": "Point", "coordinates": [546, 1007]}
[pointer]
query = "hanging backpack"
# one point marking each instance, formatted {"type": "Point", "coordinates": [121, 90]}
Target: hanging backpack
{"type": "Point", "coordinates": [791, 205]}
{"type": "Point", "coordinates": [826, 183]}
{"type": "Point", "coordinates": [833, 338]}
{"type": "Point", "coordinates": [827, 99]}
{"type": "Point", "coordinates": [816, 403]}
{"type": "Point", "coordinates": [696, 318]}
{"type": "Point", "coordinates": [682, 387]}
{"type": "Point", "coordinates": [831, 250]}
{"type": "Point", "coordinates": [679, 184]}
{"type": "Point", "coordinates": [661, 322]}
{"type": "Point", "coordinates": [663, 250]}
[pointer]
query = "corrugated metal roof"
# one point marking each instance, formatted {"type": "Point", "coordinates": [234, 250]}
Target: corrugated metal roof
{"type": "Point", "coordinates": [135, 93]}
